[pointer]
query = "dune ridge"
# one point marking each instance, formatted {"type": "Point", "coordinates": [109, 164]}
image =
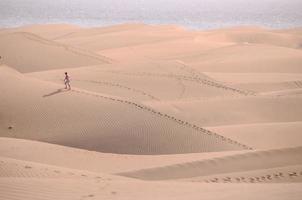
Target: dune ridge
{"type": "Point", "coordinates": [242, 162]}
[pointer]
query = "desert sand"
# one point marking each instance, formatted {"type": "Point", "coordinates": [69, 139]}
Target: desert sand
{"type": "Point", "coordinates": [154, 112]}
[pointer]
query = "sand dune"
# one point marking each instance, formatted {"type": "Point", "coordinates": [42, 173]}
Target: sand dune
{"type": "Point", "coordinates": [270, 88]}
{"type": "Point", "coordinates": [155, 112]}
{"type": "Point", "coordinates": [260, 78]}
{"type": "Point", "coordinates": [27, 52]}
{"type": "Point", "coordinates": [237, 110]}
{"type": "Point", "coordinates": [236, 163]}
{"type": "Point", "coordinates": [293, 31]}
{"type": "Point", "coordinates": [126, 36]}
{"type": "Point", "coordinates": [29, 180]}
{"type": "Point", "coordinates": [198, 44]}
{"type": "Point", "coordinates": [264, 135]}
{"type": "Point", "coordinates": [48, 31]}
{"type": "Point", "coordinates": [243, 58]}
{"type": "Point", "coordinates": [65, 189]}
{"type": "Point", "coordinates": [181, 81]}
{"type": "Point", "coordinates": [206, 56]}
{"type": "Point", "coordinates": [103, 121]}
{"type": "Point", "coordinates": [275, 84]}
{"type": "Point", "coordinates": [97, 162]}
{"type": "Point", "coordinates": [24, 169]}
{"type": "Point", "coordinates": [288, 174]}
{"type": "Point", "coordinates": [87, 32]}
{"type": "Point", "coordinates": [290, 92]}
{"type": "Point", "coordinates": [256, 35]}
{"type": "Point", "coordinates": [169, 49]}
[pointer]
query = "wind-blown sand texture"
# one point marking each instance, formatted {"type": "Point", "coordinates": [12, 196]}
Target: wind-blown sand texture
{"type": "Point", "coordinates": [154, 112]}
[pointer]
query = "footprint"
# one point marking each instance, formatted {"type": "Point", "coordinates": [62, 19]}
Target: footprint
{"type": "Point", "coordinates": [292, 174]}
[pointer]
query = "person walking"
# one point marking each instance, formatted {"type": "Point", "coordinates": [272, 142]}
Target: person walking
{"type": "Point", "coordinates": [67, 81]}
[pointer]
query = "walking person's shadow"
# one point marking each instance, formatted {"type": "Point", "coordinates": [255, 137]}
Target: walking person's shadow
{"type": "Point", "coordinates": [56, 92]}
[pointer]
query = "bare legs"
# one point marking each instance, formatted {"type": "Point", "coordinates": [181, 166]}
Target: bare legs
{"type": "Point", "coordinates": [67, 85]}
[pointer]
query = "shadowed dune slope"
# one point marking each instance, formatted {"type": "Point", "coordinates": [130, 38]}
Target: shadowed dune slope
{"type": "Point", "coordinates": [81, 159]}
{"type": "Point", "coordinates": [27, 52]}
{"type": "Point", "coordinates": [95, 121]}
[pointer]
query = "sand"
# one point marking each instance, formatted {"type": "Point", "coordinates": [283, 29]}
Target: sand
{"type": "Point", "coordinates": [154, 112]}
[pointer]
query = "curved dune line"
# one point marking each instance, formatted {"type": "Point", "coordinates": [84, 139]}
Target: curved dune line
{"type": "Point", "coordinates": [191, 70]}
{"type": "Point", "coordinates": [227, 164]}
{"type": "Point", "coordinates": [73, 50]}
{"type": "Point", "coordinates": [186, 78]}
{"type": "Point", "coordinates": [181, 122]}
{"type": "Point", "coordinates": [111, 84]}
{"type": "Point", "coordinates": [71, 34]}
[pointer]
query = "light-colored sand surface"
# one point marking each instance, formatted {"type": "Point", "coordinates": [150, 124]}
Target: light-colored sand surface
{"type": "Point", "coordinates": [155, 112]}
{"type": "Point", "coordinates": [27, 52]}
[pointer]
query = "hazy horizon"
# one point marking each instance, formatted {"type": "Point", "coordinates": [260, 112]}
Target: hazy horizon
{"type": "Point", "coordinates": [192, 13]}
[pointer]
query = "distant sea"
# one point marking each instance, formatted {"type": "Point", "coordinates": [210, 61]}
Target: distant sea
{"type": "Point", "coordinates": [196, 14]}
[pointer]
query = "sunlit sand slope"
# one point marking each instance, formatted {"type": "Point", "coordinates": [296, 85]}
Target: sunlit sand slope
{"type": "Point", "coordinates": [264, 135]}
{"type": "Point", "coordinates": [237, 163]}
{"type": "Point", "coordinates": [96, 121]}
{"type": "Point", "coordinates": [145, 81]}
{"type": "Point", "coordinates": [66, 189]}
{"type": "Point", "coordinates": [27, 52]}
{"type": "Point", "coordinates": [232, 111]}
